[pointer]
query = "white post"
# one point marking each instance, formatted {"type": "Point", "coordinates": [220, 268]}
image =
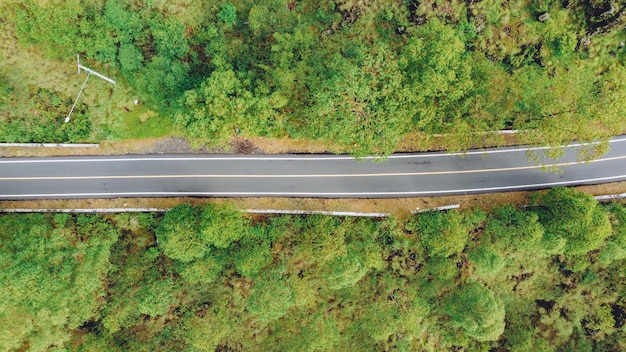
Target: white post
{"type": "Point", "coordinates": [81, 67]}
{"type": "Point", "coordinates": [89, 73]}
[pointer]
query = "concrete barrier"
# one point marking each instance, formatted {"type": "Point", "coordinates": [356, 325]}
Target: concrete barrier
{"type": "Point", "coordinates": [162, 210]}
{"type": "Point", "coordinates": [445, 207]}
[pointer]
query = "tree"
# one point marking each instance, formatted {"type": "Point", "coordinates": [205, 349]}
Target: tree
{"type": "Point", "coordinates": [512, 229]}
{"type": "Point", "coordinates": [254, 252]}
{"type": "Point", "coordinates": [573, 220]}
{"type": "Point", "coordinates": [441, 232]}
{"type": "Point", "coordinates": [359, 98]}
{"type": "Point", "coordinates": [53, 275]}
{"type": "Point", "coordinates": [615, 246]}
{"type": "Point", "coordinates": [202, 270]}
{"type": "Point", "coordinates": [221, 225]}
{"type": "Point", "coordinates": [228, 13]}
{"type": "Point", "coordinates": [130, 58]}
{"type": "Point", "coordinates": [477, 311]}
{"type": "Point", "coordinates": [178, 233]}
{"type": "Point", "coordinates": [271, 296]}
{"type": "Point", "coordinates": [437, 71]}
{"type": "Point", "coordinates": [485, 261]}
{"type": "Point", "coordinates": [156, 298]}
{"type": "Point", "coordinates": [216, 107]}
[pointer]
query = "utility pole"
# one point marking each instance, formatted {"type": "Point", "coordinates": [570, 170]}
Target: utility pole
{"type": "Point", "coordinates": [89, 73]}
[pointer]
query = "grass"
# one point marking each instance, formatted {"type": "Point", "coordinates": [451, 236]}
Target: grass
{"type": "Point", "coordinates": [111, 108]}
{"type": "Point", "coordinates": [143, 123]}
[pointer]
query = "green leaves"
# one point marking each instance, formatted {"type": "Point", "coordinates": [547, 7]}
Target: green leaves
{"type": "Point", "coordinates": [321, 282]}
{"type": "Point", "coordinates": [221, 225]}
{"type": "Point", "coordinates": [512, 228]}
{"type": "Point", "coordinates": [187, 233]}
{"type": "Point", "coordinates": [53, 275]}
{"type": "Point", "coordinates": [574, 218]}
{"type": "Point", "coordinates": [178, 234]}
{"type": "Point", "coordinates": [438, 73]}
{"type": "Point", "coordinates": [441, 232]}
{"type": "Point", "coordinates": [228, 13]}
{"type": "Point", "coordinates": [358, 101]}
{"type": "Point", "coordinates": [254, 252]}
{"type": "Point", "coordinates": [271, 296]}
{"type": "Point", "coordinates": [477, 311]}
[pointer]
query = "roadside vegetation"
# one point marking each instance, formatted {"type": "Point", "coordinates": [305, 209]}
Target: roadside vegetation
{"type": "Point", "coordinates": [546, 277]}
{"type": "Point", "coordinates": [357, 75]}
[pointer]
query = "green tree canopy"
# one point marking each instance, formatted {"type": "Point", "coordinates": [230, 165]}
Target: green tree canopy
{"type": "Point", "coordinates": [441, 232]}
{"type": "Point", "coordinates": [221, 225]}
{"type": "Point", "coordinates": [477, 311]}
{"type": "Point", "coordinates": [179, 235]}
{"type": "Point", "coordinates": [512, 228]}
{"type": "Point", "coordinates": [53, 277]}
{"type": "Point", "coordinates": [572, 218]}
{"type": "Point", "coordinates": [271, 296]}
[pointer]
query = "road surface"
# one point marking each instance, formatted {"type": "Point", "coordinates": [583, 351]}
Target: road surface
{"type": "Point", "coordinates": [323, 176]}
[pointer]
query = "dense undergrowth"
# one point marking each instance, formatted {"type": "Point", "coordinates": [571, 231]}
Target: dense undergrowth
{"type": "Point", "coordinates": [546, 277]}
{"type": "Point", "coordinates": [356, 74]}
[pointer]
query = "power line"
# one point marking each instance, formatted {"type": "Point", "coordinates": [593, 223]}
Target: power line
{"type": "Point", "coordinates": [89, 73]}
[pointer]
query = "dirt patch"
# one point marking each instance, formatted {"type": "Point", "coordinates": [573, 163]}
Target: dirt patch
{"type": "Point", "coordinates": [413, 142]}
{"type": "Point", "coordinates": [400, 207]}
{"type": "Point", "coordinates": [242, 145]}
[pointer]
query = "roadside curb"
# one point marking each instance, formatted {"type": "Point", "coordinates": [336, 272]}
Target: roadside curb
{"type": "Point", "coordinates": [610, 197]}
{"type": "Point", "coordinates": [49, 145]}
{"type": "Point", "coordinates": [445, 207]}
{"type": "Point", "coordinates": [85, 210]}
{"type": "Point", "coordinates": [316, 212]}
{"type": "Point", "coordinates": [162, 210]}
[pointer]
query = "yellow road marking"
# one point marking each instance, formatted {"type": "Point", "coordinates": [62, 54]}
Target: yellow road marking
{"type": "Point", "coordinates": [310, 176]}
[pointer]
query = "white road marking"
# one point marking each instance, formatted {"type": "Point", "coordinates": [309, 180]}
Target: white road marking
{"type": "Point", "coordinates": [388, 174]}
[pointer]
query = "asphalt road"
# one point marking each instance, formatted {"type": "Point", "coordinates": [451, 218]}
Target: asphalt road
{"type": "Point", "coordinates": [324, 176]}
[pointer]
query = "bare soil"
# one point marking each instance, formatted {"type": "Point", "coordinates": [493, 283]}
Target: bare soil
{"type": "Point", "coordinates": [399, 207]}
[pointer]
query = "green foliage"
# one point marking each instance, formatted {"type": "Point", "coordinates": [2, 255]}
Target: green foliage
{"type": "Point", "coordinates": [309, 282]}
{"type": "Point", "coordinates": [615, 246]}
{"type": "Point", "coordinates": [360, 98]}
{"type": "Point", "coordinates": [45, 120]}
{"type": "Point", "coordinates": [53, 274]}
{"type": "Point", "coordinates": [204, 270]}
{"type": "Point", "coordinates": [601, 320]}
{"type": "Point", "coordinates": [178, 233]}
{"type": "Point", "coordinates": [435, 61]}
{"type": "Point", "coordinates": [228, 13]}
{"type": "Point", "coordinates": [205, 333]}
{"type": "Point", "coordinates": [486, 262]}
{"type": "Point", "coordinates": [271, 296]}
{"type": "Point", "coordinates": [574, 219]}
{"type": "Point", "coordinates": [254, 254]}
{"type": "Point", "coordinates": [512, 228]}
{"type": "Point", "coordinates": [221, 225]}
{"type": "Point", "coordinates": [477, 311]}
{"type": "Point", "coordinates": [441, 232]}
{"type": "Point", "coordinates": [358, 76]}
{"type": "Point", "coordinates": [157, 298]}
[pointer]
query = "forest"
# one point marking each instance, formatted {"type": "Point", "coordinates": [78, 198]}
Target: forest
{"type": "Point", "coordinates": [358, 74]}
{"type": "Point", "coordinates": [548, 276]}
